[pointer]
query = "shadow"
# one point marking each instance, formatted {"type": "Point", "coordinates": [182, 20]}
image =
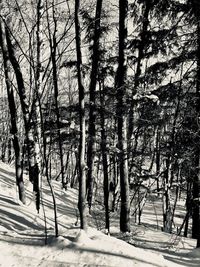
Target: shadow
{"type": "Point", "coordinates": [162, 247]}
{"type": "Point", "coordinates": [96, 251]}
{"type": "Point", "coordinates": [16, 222]}
{"type": "Point", "coordinates": [8, 200]}
{"type": "Point", "coordinates": [21, 222]}
{"type": "Point", "coordinates": [183, 261]}
{"type": "Point", "coordinates": [39, 242]}
{"type": "Point", "coordinates": [180, 258]}
{"type": "Point", "coordinates": [25, 241]}
{"type": "Point", "coordinates": [8, 173]}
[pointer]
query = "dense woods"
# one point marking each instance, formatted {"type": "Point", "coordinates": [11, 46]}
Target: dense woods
{"type": "Point", "coordinates": [104, 97]}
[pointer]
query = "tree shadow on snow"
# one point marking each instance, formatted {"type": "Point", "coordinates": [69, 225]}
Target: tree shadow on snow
{"type": "Point", "coordinates": [7, 173]}
{"type": "Point", "coordinates": [12, 221]}
{"type": "Point", "coordinates": [180, 258]}
{"type": "Point", "coordinates": [96, 251]}
{"type": "Point", "coordinates": [37, 240]}
{"type": "Point", "coordinates": [188, 262]}
{"type": "Point", "coordinates": [8, 200]}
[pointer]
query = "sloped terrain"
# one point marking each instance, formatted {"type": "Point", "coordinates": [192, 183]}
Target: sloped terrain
{"type": "Point", "coordinates": [22, 235]}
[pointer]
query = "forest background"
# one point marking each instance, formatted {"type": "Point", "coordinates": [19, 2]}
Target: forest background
{"type": "Point", "coordinates": [104, 97]}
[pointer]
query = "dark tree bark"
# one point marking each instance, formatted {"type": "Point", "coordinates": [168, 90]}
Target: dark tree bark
{"type": "Point", "coordinates": [167, 209]}
{"type": "Point", "coordinates": [105, 160]}
{"type": "Point", "coordinates": [9, 150]}
{"type": "Point", "coordinates": [196, 178]}
{"type": "Point", "coordinates": [158, 130]}
{"type": "Point", "coordinates": [188, 207]}
{"type": "Point", "coordinates": [13, 115]}
{"type": "Point", "coordinates": [53, 48]}
{"type": "Point", "coordinates": [92, 115]}
{"type": "Point", "coordinates": [82, 174]}
{"type": "Point", "coordinates": [33, 166]}
{"type": "Point", "coordinates": [122, 118]}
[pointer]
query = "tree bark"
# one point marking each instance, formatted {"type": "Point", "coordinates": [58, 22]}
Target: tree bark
{"type": "Point", "coordinates": [13, 115]}
{"type": "Point", "coordinates": [167, 211]}
{"type": "Point", "coordinates": [31, 148]}
{"type": "Point", "coordinates": [105, 161]}
{"type": "Point", "coordinates": [37, 113]}
{"type": "Point", "coordinates": [158, 133]}
{"type": "Point", "coordinates": [92, 115]}
{"type": "Point", "coordinates": [196, 178]}
{"type": "Point", "coordinates": [53, 48]}
{"type": "Point", "coordinates": [122, 118]}
{"type": "Point", "coordinates": [82, 174]}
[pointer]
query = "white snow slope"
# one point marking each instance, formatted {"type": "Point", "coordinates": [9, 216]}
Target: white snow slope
{"type": "Point", "coordinates": [22, 237]}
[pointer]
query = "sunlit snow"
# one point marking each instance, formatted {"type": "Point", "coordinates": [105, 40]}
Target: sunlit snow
{"type": "Point", "coordinates": [22, 236]}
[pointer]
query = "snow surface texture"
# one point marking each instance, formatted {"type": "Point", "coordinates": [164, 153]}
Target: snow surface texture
{"type": "Point", "coordinates": [22, 235]}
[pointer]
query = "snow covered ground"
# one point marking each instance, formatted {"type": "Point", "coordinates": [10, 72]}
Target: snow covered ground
{"type": "Point", "coordinates": [22, 237]}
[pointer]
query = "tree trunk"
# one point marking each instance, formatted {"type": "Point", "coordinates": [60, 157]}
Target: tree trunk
{"type": "Point", "coordinates": [196, 178]}
{"type": "Point", "coordinates": [122, 118]}
{"type": "Point", "coordinates": [167, 211]}
{"type": "Point", "coordinates": [82, 174]}
{"type": "Point", "coordinates": [13, 115]}
{"type": "Point", "coordinates": [37, 113]}
{"type": "Point", "coordinates": [32, 149]}
{"type": "Point", "coordinates": [105, 161]}
{"type": "Point", "coordinates": [188, 208]}
{"type": "Point", "coordinates": [92, 115]}
{"type": "Point", "coordinates": [53, 48]}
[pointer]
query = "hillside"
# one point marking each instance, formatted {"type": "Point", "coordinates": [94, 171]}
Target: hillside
{"type": "Point", "coordinates": [22, 237]}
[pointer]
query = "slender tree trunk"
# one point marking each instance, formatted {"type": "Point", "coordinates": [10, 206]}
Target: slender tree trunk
{"type": "Point", "coordinates": [82, 174]}
{"type": "Point", "coordinates": [158, 157]}
{"type": "Point", "coordinates": [3, 150]}
{"type": "Point", "coordinates": [196, 178]}
{"type": "Point", "coordinates": [122, 118]}
{"type": "Point", "coordinates": [188, 208]}
{"type": "Point", "coordinates": [47, 164]}
{"type": "Point", "coordinates": [176, 193]}
{"type": "Point", "coordinates": [53, 48]}
{"type": "Point", "coordinates": [13, 115]}
{"type": "Point", "coordinates": [37, 113]}
{"type": "Point", "coordinates": [31, 147]}
{"type": "Point", "coordinates": [167, 212]}
{"type": "Point", "coordinates": [105, 161]}
{"type": "Point", "coordinates": [9, 150]}
{"type": "Point", "coordinates": [92, 115]}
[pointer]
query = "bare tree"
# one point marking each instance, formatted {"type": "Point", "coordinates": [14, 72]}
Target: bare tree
{"type": "Point", "coordinates": [53, 50]}
{"type": "Point", "coordinates": [92, 115]}
{"type": "Point", "coordinates": [82, 174]}
{"type": "Point", "coordinates": [196, 178]}
{"type": "Point", "coordinates": [13, 114]}
{"type": "Point", "coordinates": [122, 118]}
{"type": "Point", "coordinates": [29, 131]}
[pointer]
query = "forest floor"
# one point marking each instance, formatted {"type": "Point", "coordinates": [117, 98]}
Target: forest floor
{"type": "Point", "coordinates": [22, 237]}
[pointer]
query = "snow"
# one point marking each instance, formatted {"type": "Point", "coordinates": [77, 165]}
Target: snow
{"type": "Point", "coordinates": [147, 95]}
{"type": "Point", "coordinates": [22, 237]}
